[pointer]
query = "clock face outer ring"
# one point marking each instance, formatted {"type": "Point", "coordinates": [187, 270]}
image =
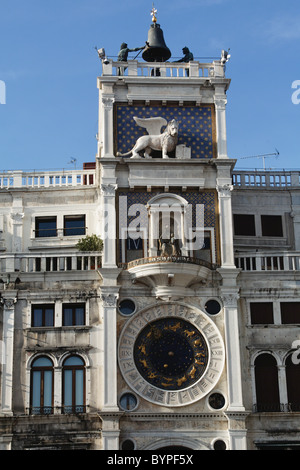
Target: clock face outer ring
{"type": "Point", "coordinates": [167, 316]}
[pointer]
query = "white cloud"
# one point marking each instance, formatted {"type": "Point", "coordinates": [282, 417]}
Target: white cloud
{"type": "Point", "coordinates": [282, 28]}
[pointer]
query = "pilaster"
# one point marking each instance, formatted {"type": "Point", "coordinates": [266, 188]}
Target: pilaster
{"type": "Point", "coordinates": [109, 225]}
{"type": "Point", "coordinates": [109, 297]}
{"type": "Point", "coordinates": [8, 303]}
{"type": "Point", "coordinates": [226, 224]}
{"type": "Point", "coordinates": [108, 103]}
{"type": "Point", "coordinates": [220, 107]}
{"type": "Point", "coordinates": [229, 293]}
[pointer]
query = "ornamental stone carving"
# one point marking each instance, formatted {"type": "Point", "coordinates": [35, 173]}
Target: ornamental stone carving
{"type": "Point", "coordinates": [108, 189]}
{"type": "Point", "coordinates": [8, 303]}
{"type": "Point", "coordinates": [109, 300]}
{"type": "Point", "coordinates": [220, 103]}
{"type": "Point", "coordinates": [225, 190]}
{"type": "Point", "coordinates": [108, 102]}
{"type": "Point", "coordinates": [230, 299]}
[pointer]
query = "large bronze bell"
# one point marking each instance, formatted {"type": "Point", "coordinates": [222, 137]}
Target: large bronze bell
{"type": "Point", "coordinates": [156, 49]}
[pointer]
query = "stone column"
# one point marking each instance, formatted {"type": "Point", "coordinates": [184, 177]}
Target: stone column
{"type": "Point", "coordinates": [7, 358]}
{"type": "Point", "coordinates": [234, 376]}
{"type": "Point", "coordinates": [226, 225]}
{"type": "Point", "coordinates": [109, 300]}
{"type": "Point", "coordinates": [108, 124]}
{"type": "Point", "coordinates": [220, 107]}
{"type": "Point", "coordinates": [283, 393]}
{"type": "Point", "coordinates": [110, 225]}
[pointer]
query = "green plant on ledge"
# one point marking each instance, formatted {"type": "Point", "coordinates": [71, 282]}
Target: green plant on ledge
{"type": "Point", "coordinates": [90, 243]}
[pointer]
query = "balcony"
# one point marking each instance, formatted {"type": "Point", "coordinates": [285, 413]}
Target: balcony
{"type": "Point", "coordinates": [50, 410]}
{"type": "Point", "coordinates": [268, 261]}
{"type": "Point", "coordinates": [276, 407]}
{"type": "Point", "coordinates": [170, 276]}
{"type": "Point", "coordinates": [42, 263]}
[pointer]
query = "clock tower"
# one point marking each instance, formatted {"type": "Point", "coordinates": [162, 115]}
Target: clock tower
{"type": "Point", "coordinates": [171, 360]}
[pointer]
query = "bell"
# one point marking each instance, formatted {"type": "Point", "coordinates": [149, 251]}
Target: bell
{"type": "Point", "coordinates": [156, 49]}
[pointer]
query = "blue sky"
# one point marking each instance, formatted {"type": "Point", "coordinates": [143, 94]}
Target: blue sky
{"type": "Point", "coordinates": [50, 67]}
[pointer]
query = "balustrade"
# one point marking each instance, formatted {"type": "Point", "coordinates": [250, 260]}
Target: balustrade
{"type": "Point", "coordinates": [41, 262]}
{"type": "Point", "coordinates": [262, 261]}
{"type": "Point", "coordinates": [163, 69]}
{"type": "Point", "coordinates": [265, 179]}
{"type": "Point", "coordinates": [47, 179]}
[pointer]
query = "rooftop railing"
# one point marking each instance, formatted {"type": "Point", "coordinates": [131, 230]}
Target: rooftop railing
{"type": "Point", "coordinates": [177, 70]}
{"type": "Point", "coordinates": [263, 261]}
{"type": "Point", "coordinates": [266, 178]}
{"type": "Point", "coordinates": [47, 179]}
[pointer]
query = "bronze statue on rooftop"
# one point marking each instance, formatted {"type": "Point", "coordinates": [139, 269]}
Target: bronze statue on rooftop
{"type": "Point", "coordinates": [124, 51]}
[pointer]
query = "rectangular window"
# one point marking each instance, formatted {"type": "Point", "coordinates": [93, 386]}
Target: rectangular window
{"type": "Point", "coordinates": [42, 315]}
{"type": "Point", "coordinates": [290, 313]}
{"type": "Point", "coordinates": [74, 225]}
{"type": "Point", "coordinates": [271, 226]}
{"type": "Point", "coordinates": [261, 313]}
{"type": "Point", "coordinates": [45, 227]}
{"type": "Point", "coordinates": [244, 224]}
{"type": "Point", "coordinates": [73, 314]}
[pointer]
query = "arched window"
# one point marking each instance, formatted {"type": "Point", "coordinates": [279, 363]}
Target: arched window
{"type": "Point", "coordinates": [292, 372]}
{"type": "Point", "coordinates": [42, 386]}
{"type": "Point", "coordinates": [74, 385]}
{"type": "Point", "coordinates": [266, 383]}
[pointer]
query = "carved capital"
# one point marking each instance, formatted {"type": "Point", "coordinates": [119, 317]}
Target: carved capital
{"type": "Point", "coordinates": [17, 217]}
{"type": "Point", "coordinates": [107, 102]}
{"type": "Point", "coordinates": [230, 299]}
{"type": "Point", "coordinates": [225, 190]}
{"type": "Point", "coordinates": [108, 189]}
{"type": "Point", "coordinates": [8, 303]}
{"type": "Point", "coordinates": [109, 300]}
{"type": "Point", "coordinates": [220, 103]}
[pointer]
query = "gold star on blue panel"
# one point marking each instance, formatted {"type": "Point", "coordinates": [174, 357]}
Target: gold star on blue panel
{"type": "Point", "coordinates": [196, 126]}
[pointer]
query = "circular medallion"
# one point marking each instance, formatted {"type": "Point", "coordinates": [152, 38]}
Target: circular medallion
{"type": "Point", "coordinates": [171, 354]}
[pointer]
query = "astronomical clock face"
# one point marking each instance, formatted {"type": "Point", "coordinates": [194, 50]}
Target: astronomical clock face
{"type": "Point", "coordinates": [171, 354]}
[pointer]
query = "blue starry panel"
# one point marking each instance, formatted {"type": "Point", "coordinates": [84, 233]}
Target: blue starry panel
{"type": "Point", "coordinates": [196, 126]}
